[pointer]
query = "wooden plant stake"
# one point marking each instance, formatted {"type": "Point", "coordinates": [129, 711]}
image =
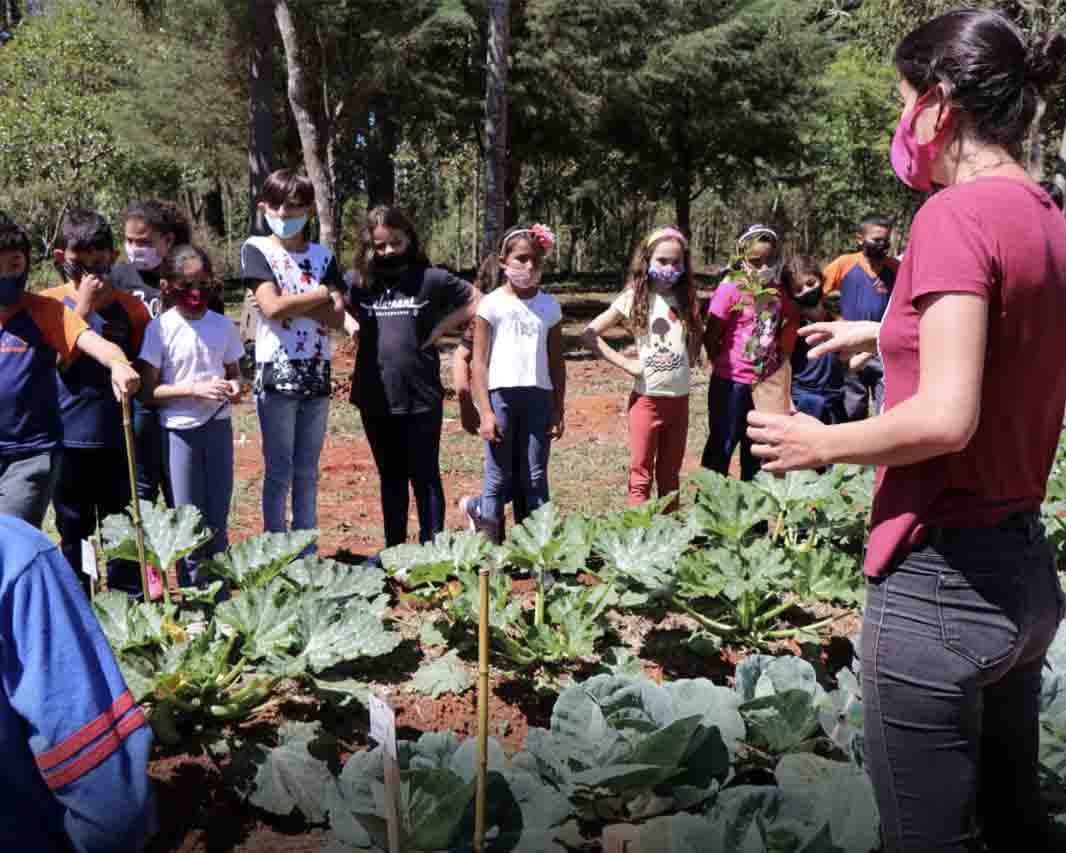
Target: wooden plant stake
{"type": "Point", "coordinates": [138, 525]}
{"type": "Point", "coordinates": [482, 708]}
{"type": "Point", "coordinates": [383, 730]}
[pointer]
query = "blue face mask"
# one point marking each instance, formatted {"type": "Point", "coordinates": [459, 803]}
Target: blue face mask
{"type": "Point", "coordinates": [665, 275]}
{"type": "Point", "coordinates": [11, 289]}
{"type": "Point", "coordinates": [285, 228]}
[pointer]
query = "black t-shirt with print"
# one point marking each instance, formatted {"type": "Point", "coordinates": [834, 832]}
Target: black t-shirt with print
{"type": "Point", "coordinates": [393, 373]}
{"type": "Point", "coordinates": [144, 284]}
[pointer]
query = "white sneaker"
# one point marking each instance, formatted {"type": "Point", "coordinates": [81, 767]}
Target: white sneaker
{"type": "Point", "coordinates": [466, 507]}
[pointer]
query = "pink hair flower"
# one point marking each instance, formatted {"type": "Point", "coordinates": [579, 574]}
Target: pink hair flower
{"type": "Point", "coordinates": [544, 236]}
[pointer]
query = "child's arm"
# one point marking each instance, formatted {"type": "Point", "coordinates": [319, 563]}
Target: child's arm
{"type": "Point", "coordinates": [712, 337]}
{"type": "Point", "coordinates": [462, 357]}
{"type": "Point", "coordinates": [557, 368]}
{"type": "Point", "coordinates": [331, 313]}
{"type": "Point", "coordinates": [592, 340]}
{"type": "Point", "coordinates": [215, 388]}
{"type": "Point", "coordinates": [277, 305]}
{"type": "Point", "coordinates": [124, 377]}
{"type": "Point", "coordinates": [457, 319]}
{"type": "Point", "coordinates": [480, 368]}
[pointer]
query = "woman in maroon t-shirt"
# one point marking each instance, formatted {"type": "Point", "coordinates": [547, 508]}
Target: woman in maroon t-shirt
{"type": "Point", "coordinates": [963, 598]}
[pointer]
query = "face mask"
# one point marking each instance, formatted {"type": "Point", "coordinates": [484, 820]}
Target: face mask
{"type": "Point", "coordinates": [521, 278]}
{"type": "Point", "coordinates": [192, 299]}
{"type": "Point", "coordinates": [143, 257]}
{"type": "Point", "coordinates": [875, 250]}
{"type": "Point", "coordinates": [11, 289]}
{"type": "Point", "coordinates": [809, 299]}
{"type": "Point", "coordinates": [763, 276]}
{"type": "Point", "coordinates": [285, 228]}
{"type": "Point", "coordinates": [390, 265]}
{"type": "Point", "coordinates": [73, 271]}
{"type": "Point", "coordinates": [664, 275]}
{"type": "Point", "coordinates": [912, 160]}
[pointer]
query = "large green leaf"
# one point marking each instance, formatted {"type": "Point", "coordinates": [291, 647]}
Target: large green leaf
{"type": "Point", "coordinates": [765, 675]}
{"type": "Point", "coordinates": [796, 494]}
{"type": "Point", "coordinates": [169, 534]}
{"type": "Point", "coordinates": [447, 674]}
{"type": "Point", "coordinates": [728, 508]}
{"type": "Point", "coordinates": [330, 634]}
{"type": "Point", "coordinates": [545, 542]}
{"type": "Point", "coordinates": [645, 555]}
{"type": "Point", "coordinates": [257, 560]}
{"type": "Point", "coordinates": [753, 819]}
{"type": "Point", "coordinates": [333, 579]}
{"type": "Point", "coordinates": [840, 794]}
{"type": "Point", "coordinates": [826, 574]}
{"type": "Point", "coordinates": [290, 777]}
{"type": "Point", "coordinates": [447, 556]}
{"type": "Point", "coordinates": [264, 617]}
{"type": "Point", "coordinates": [128, 624]}
{"type": "Point", "coordinates": [781, 722]}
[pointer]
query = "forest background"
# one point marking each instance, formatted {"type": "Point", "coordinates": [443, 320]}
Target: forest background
{"type": "Point", "coordinates": [621, 114]}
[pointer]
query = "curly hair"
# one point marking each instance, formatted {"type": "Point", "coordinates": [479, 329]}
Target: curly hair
{"type": "Point", "coordinates": [684, 290]}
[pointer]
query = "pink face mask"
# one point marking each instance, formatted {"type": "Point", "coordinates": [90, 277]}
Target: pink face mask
{"type": "Point", "coordinates": [912, 160]}
{"type": "Point", "coordinates": [521, 278]}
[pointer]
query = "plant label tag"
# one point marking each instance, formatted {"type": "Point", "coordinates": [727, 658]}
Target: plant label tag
{"type": "Point", "coordinates": [89, 564]}
{"type": "Point", "coordinates": [383, 725]}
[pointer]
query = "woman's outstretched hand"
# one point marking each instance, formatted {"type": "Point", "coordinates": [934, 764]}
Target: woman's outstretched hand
{"type": "Point", "coordinates": [847, 337]}
{"type": "Point", "coordinates": [786, 442]}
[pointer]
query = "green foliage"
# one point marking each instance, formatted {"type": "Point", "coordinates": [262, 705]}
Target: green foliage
{"type": "Point", "coordinates": [444, 675]}
{"type": "Point", "coordinates": [169, 535]}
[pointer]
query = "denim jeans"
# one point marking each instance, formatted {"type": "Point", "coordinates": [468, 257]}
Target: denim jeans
{"type": "Point", "coordinates": [523, 416]}
{"type": "Point", "coordinates": [294, 430]}
{"type": "Point", "coordinates": [27, 483]}
{"type": "Point", "coordinates": [857, 388]}
{"type": "Point", "coordinates": [200, 470]}
{"type": "Point", "coordinates": [93, 483]}
{"type": "Point", "coordinates": [953, 643]}
{"type": "Point", "coordinates": [728, 404]}
{"type": "Point", "coordinates": [151, 454]}
{"type": "Point", "coordinates": [406, 449]}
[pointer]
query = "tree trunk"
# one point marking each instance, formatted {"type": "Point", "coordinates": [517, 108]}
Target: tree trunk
{"type": "Point", "coordinates": [260, 114]}
{"type": "Point", "coordinates": [12, 15]}
{"type": "Point", "coordinates": [380, 166]}
{"type": "Point", "coordinates": [312, 142]}
{"type": "Point", "coordinates": [476, 216]}
{"type": "Point", "coordinates": [496, 124]}
{"type": "Point", "coordinates": [214, 214]}
{"type": "Point", "coordinates": [683, 180]}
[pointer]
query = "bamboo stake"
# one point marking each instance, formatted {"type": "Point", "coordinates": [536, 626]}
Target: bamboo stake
{"type": "Point", "coordinates": [138, 526]}
{"type": "Point", "coordinates": [482, 708]}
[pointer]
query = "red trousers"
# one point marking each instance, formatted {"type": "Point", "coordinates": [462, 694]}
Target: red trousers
{"type": "Point", "coordinates": [658, 433]}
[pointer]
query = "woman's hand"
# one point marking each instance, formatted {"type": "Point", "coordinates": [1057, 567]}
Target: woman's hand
{"type": "Point", "coordinates": [488, 429]}
{"type": "Point", "coordinates": [847, 337]}
{"type": "Point", "coordinates": [787, 442]}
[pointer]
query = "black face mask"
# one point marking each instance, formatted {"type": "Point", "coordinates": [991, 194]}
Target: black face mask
{"type": "Point", "coordinates": [809, 299]}
{"type": "Point", "coordinates": [875, 250]}
{"type": "Point", "coordinates": [391, 266]}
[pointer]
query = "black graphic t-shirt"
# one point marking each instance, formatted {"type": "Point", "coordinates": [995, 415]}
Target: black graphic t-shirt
{"type": "Point", "coordinates": [393, 373]}
{"type": "Point", "coordinates": [144, 284]}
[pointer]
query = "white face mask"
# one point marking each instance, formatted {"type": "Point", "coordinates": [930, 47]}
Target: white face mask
{"type": "Point", "coordinates": [143, 257]}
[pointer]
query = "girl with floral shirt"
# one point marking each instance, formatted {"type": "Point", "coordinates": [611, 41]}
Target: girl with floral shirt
{"type": "Point", "coordinates": [743, 340]}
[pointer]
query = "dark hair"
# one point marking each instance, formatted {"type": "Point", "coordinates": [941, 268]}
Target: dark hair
{"type": "Point", "coordinates": [1055, 191]}
{"type": "Point", "coordinates": [797, 266]}
{"type": "Point", "coordinates": [85, 229]}
{"type": "Point", "coordinates": [876, 220]}
{"type": "Point", "coordinates": [13, 237]}
{"type": "Point", "coordinates": [287, 186]}
{"type": "Point", "coordinates": [991, 75]}
{"type": "Point", "coordinates": [171, 271]}
{"type": "Point", "coordinates": [390, 217]}
{"type": "Point", "coordinates": [490, 273]}
{"type": "Point", "coordinates": [163, 217]}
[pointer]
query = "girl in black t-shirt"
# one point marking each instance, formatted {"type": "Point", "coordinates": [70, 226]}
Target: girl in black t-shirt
{"type": "Point", "coordinates": [403, 306]}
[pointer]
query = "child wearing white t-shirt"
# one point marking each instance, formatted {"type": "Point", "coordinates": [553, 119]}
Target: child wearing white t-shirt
{"type": "Point", "coordinates": [660, 307]}
{"type": "Point", "coordinates": [191, 361]}
{"type": "Point", "coordinates": [519, 377]}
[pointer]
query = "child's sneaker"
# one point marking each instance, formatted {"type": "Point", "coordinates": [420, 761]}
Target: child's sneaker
{"type": "Point", "coordinates": [470, 507]}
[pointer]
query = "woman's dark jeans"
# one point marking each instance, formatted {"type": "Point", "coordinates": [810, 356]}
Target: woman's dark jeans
{"type": "Point", "coordinates": [952, 648]}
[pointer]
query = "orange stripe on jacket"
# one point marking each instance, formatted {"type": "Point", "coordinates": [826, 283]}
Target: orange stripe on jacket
{"type": "Point", "coordinates": [59, 326]}
{"type": "Point", "coordinates": [103, 750]}
{"type": "Point", "coordinates": [86, 734]}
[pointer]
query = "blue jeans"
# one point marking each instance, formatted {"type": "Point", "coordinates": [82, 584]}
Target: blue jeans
{"type": "Point", "coordinates": [200, 470]}
{"type": "Point", "coordinates": [953, 642]}
{"type": "Point", "coordinates": [406, 450]}
{"type": "Point", "coordinates": [294, 430]}
{"type": "Point", "coordinates": [828, 407]}
{"type": "Point", "coordinates": [857, 388]}
{"type": "Point", "coordinates": [523, 416]}
{"type": "Point", "coordinates": [728, 404]}
{"type": "Point", "coordinates": [151, 454]}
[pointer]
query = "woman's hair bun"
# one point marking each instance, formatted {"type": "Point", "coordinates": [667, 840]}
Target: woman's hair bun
{"type": "Point", "coordinates": [1044, 59]}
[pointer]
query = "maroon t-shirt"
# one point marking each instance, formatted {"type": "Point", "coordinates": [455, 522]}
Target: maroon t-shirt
{"type": "Point", "coordinates": [1004, 240]}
